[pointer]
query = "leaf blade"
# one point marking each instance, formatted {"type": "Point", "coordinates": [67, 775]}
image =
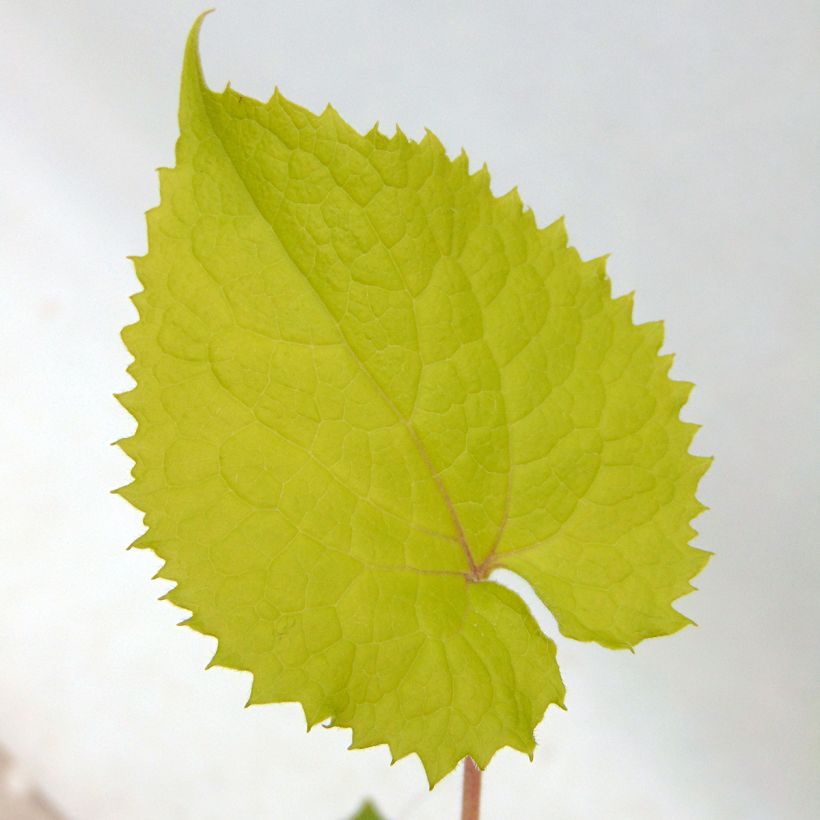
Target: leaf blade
{"type": "Point", "coordinates": [363, 383]}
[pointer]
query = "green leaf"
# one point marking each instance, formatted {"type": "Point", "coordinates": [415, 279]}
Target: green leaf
{"type": "Point", "coordinates": [363, 383]}
{"type": "Point", "coordinates": [367, 812]}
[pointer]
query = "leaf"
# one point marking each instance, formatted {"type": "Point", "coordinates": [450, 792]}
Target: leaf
{"type": "Point", "coordinates": [363, 383]}
{"type": "Point", "coordinates": [367, 812]}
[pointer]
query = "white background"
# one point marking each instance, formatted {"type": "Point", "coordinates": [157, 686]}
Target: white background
{"type": "Point", "coordinates": [681, 136]}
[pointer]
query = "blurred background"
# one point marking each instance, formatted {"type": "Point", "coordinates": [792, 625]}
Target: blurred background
{"type": "Point", "coordinates": [680, 136]}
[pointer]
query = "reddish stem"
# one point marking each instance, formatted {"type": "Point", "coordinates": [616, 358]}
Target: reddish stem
{"type": "Point", "coordinates": [471, 794]}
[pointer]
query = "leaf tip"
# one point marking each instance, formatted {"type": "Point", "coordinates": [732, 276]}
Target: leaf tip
{"type": "Point", "coordinates": [191, 65]}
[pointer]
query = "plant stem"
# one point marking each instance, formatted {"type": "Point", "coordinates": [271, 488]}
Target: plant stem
{"type": "Point", "coordinates": [471, 793]}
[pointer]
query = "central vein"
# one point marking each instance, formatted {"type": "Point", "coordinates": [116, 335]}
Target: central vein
{"type": "Point", "coordinates": [476, 572]}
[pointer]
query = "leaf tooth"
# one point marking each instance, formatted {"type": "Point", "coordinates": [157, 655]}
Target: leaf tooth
{"type": "Point", "coordinates": [701, 464]}
{"type": "Point", "coordinates": [684, 620]}
{"type": "Point", "coordinates": [312, 723]}
{"type": "Point", "coordinates": [165, 175]}
{"type": "Point", "coordinates": [399, 137]}
{"type": "Point", "coordinates": [140, 301]}
{"type": "Point", "coordinates": [653, 333]}
{"type": "Point", "coordinates": [689, 430]}
{"type": "Point", "coordinates": [133, 371]}
{"type": "Point", "coordinates": [680, 392]}
{"type": "Point", "coordinates": [626, 303]}
{"type": "Point", "coordinates": [483, 173]}
{"type": "Point", "coordinates": [596, 268]}
{"type": "Point", "coordinates": [704, 555]}
{"type": "Point", "coordinates": [131, 494]}
{"type": "Point", "coordinates": [255, 696]}
{"type": "Point", "coordinates": [527, 746]}
{"type": "Point", "coordinates": [194, 622]}
{"type": "Point", "coordinates": [557, 227]}
{"type": "Point", "coordinates": [554, 236]}
{"type": "Point", "coordinates": [700, 508]}
{"type": "Point", "coordinates": [144, 542]}
{"type": "Point", "coordinates": [153, 214]}
{"type": "Point", "coordinates": [480, 179]}
{"type": "Point", "coordinates": [127, 334]}
{"type": "Point", "coordinates": [355, 743]}
{"type": "Point", "coordinates": [223, 660]}
{"type": "Point", "coordinates": [666, 362]}
{"type": "Point", "coordinates": [600, 263]}
{"type": "Point", "coordinates": [129, 399]}
{"type": "Point", "coordinates": [314, 715]}
{"type": "Point", "coordinates": [373, 740]}
{"type": "Point", "coordinates": [687, 589]}
{"type": "Point", "coordinates": [330, 113]}
{"type": "Point", "coordinates": [512, 200]}
{"type": "Point", "coordinates": [128, 445]}
{"type": "Point", "coordinates": [397, 756]}
{"type": "Point", "coordinates": [162, 573]}
{"type": "Point", "coordinates": [432, 142]}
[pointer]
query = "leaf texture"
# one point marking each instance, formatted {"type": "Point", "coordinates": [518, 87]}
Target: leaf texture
{"type": "Point", "coordinates": [363, 383]}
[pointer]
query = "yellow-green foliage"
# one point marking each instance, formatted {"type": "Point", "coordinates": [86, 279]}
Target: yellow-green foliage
{"type": "Point", "coordinates": [363, 384]}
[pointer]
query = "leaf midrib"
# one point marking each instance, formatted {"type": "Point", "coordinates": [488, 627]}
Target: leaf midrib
{"type": "Point", "coordinates": [474, 569]}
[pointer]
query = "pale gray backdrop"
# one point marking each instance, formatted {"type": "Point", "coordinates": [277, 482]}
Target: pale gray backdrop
{"type": "Point", "coordinates": [680, 136]}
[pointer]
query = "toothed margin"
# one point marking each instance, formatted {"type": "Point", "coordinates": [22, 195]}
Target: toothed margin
{"type": "Point", "coordinates": [555, 237]}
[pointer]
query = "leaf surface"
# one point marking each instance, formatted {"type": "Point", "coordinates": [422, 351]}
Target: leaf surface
{"type": "Point", "coordinates": [363, 383]}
